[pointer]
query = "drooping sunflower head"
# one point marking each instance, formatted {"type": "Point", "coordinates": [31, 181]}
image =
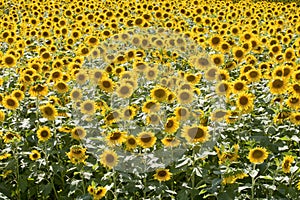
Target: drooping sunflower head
{"type": "Point", "coordinates": [219, 115]}
{"type": "Point", "coordinates": [170, 141]}
{"type": "Point", "coordinates": [286, 163]}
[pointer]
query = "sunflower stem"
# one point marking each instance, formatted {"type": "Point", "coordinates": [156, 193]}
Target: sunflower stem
{"type": "Point", "coordinates": [15, 152]}
{"type": "Point", "coordinates": [253, 183]}
{"type": "Point", "coordinates": [193, 174]}
{"type": "Point", "coordinates": [82, 177]}
{"type": "Point", "coordinates": [48, 169]}
{"type": "Point", "coordinates": [115, 185]}
{"type": "Point", "coordinates": [37, 112]}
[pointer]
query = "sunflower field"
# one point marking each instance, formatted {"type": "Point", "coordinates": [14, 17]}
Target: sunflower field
{"type": "Point", "coordinates": [149, 99]}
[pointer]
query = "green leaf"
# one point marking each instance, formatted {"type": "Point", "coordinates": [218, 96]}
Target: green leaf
{"type": "Point", "coordinates": [47, 189]}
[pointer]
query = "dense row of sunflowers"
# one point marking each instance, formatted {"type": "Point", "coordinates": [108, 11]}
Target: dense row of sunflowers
{"type": "Point", "coordinates": [149, 99]}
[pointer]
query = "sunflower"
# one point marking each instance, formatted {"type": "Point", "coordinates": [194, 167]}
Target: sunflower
{"type": "Point", "coordinates": [128, 113]}
{"type": "Point", "coordinates": [77, 154]}
{"type": "Point", "coordinates": [81, 77]}
{"type": "Point", "coordinates": [170, 141]}
{"type": "Point", "coordinates": [238, 53]}
{"type": "Point", "coordinates": [192, 78]}
{"type": "Point", "coordinates": [125, 90]}
{"type": "Point", "coordinates": [38, 90]}
{"type": "Point", "coordinates": [215, 41]}
{"type": "Point", "coordinates": [112, 117]}
{"type": "Point", "coordinates": [153, 119]}
{"type": "Point", "coordinates": [289, 54]}
{"type": "Point", "coordinates": [48, 111]}
{"type": "Point", "coordinates": [10, 102]}
{"type": "Point", "coordinates": [78, 133]}
{"type": "Point", "coordinates": [9, 60]}
{"type": "Point", "coordinates": [2, 116]}
{"type": "Point", "coordinates": [195, 133]}
{"type": "Point", "coordinates": [171, 125]}
{"type": "Point", "coordinates": [278, 86]}
{"type": "Point", "coordinates": [76, 94]}
{"type": "Point", "coordinates": [222, 75]}
{"type": "Point", "coordinates": [239, 86]}
{"type": "Point", "coordinates": [146, 139]}
{"type": "Point", "coordinates": [295, 89]}
{"type": "Point", "coordinates": [109, 159]}
{"type": "Point", "coordinates": [55, 75]}
{"type": "Point", "coordinates": [244, 102]}
{"type": "Point", "coordinates": [293, 102]}
{"type": "Point", "coordinates": [35, 155]}
{"type": "Point", "coordinates": [151, 106]}
{"type": "Point", "coordinates": [10, 137]}
{"type": "Point", "coordinates": [185, 97]}
{"type": "Point", "coordinates": [232, 155]}
{"type": "Point", "coordinates": [151, 73]}
{"type": "Point", "coordinates": [97, 74]}
{"type": "Point", "coordinates": [162, 175]}
{"type": "Point", "coordinates": [88, 107]}
{"type": "Point", "coordinates": [159, 93]}
{"type": "Point", "coordinates": [107, 85]}
{"type": "Point", "coordinates": [46, 56]}
{"type": "Point", "coordinates": [219, 115]}
{"type": "Point", "coordinates": [286, 164]}
{"type": "Point", "coordinates": [295, 118]}
{"type": "Point", "coordinates": [61, 87]}
{"type": "Point", "coordinates": [202, 62]}
{"type": "Point", "coordinates": [43, 133]}
{"type": "Point", "coordinates": [116, 138]}
{"type": "Point", "coordinates": [181, 113]}
{"type": "Point", "coordinates": [253, 75]}
{"type": "Point", "coordinates": [232, 117]}
{"type": "Point", "coordinates": [131, 142]}
{"type": "Point", "coordinates": [18, 94]}
{"type": "Point", "coordinates": [258, 155]}
{"type": "Point", "coordinates": [140, 66]}
{"type": "Point", "coordinates": [277, 72]}
{"type": "Point", "coordinates": [217, 59]}
{"type": "Point", "coordinates": [211, 73]}
{"type": "Point", "coordinates": [99, 193]}
{"type": "Point", "coordinates": [223, 88]}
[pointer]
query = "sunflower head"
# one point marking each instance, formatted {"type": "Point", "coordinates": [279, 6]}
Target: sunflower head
{"type": "Point", "coordinates": [258, 155]}
{"type": "Point", "coordinates": [162, 175]}
{"type": "Point", "coordinates": [109, 159]}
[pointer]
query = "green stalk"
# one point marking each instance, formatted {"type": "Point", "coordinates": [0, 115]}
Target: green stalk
{"type": "Point", "coordinates": [47, 165]}
{"type": "Point", "coordinates": [253, 183]}
{"type": "Point", "coordinates": [17, 171]}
